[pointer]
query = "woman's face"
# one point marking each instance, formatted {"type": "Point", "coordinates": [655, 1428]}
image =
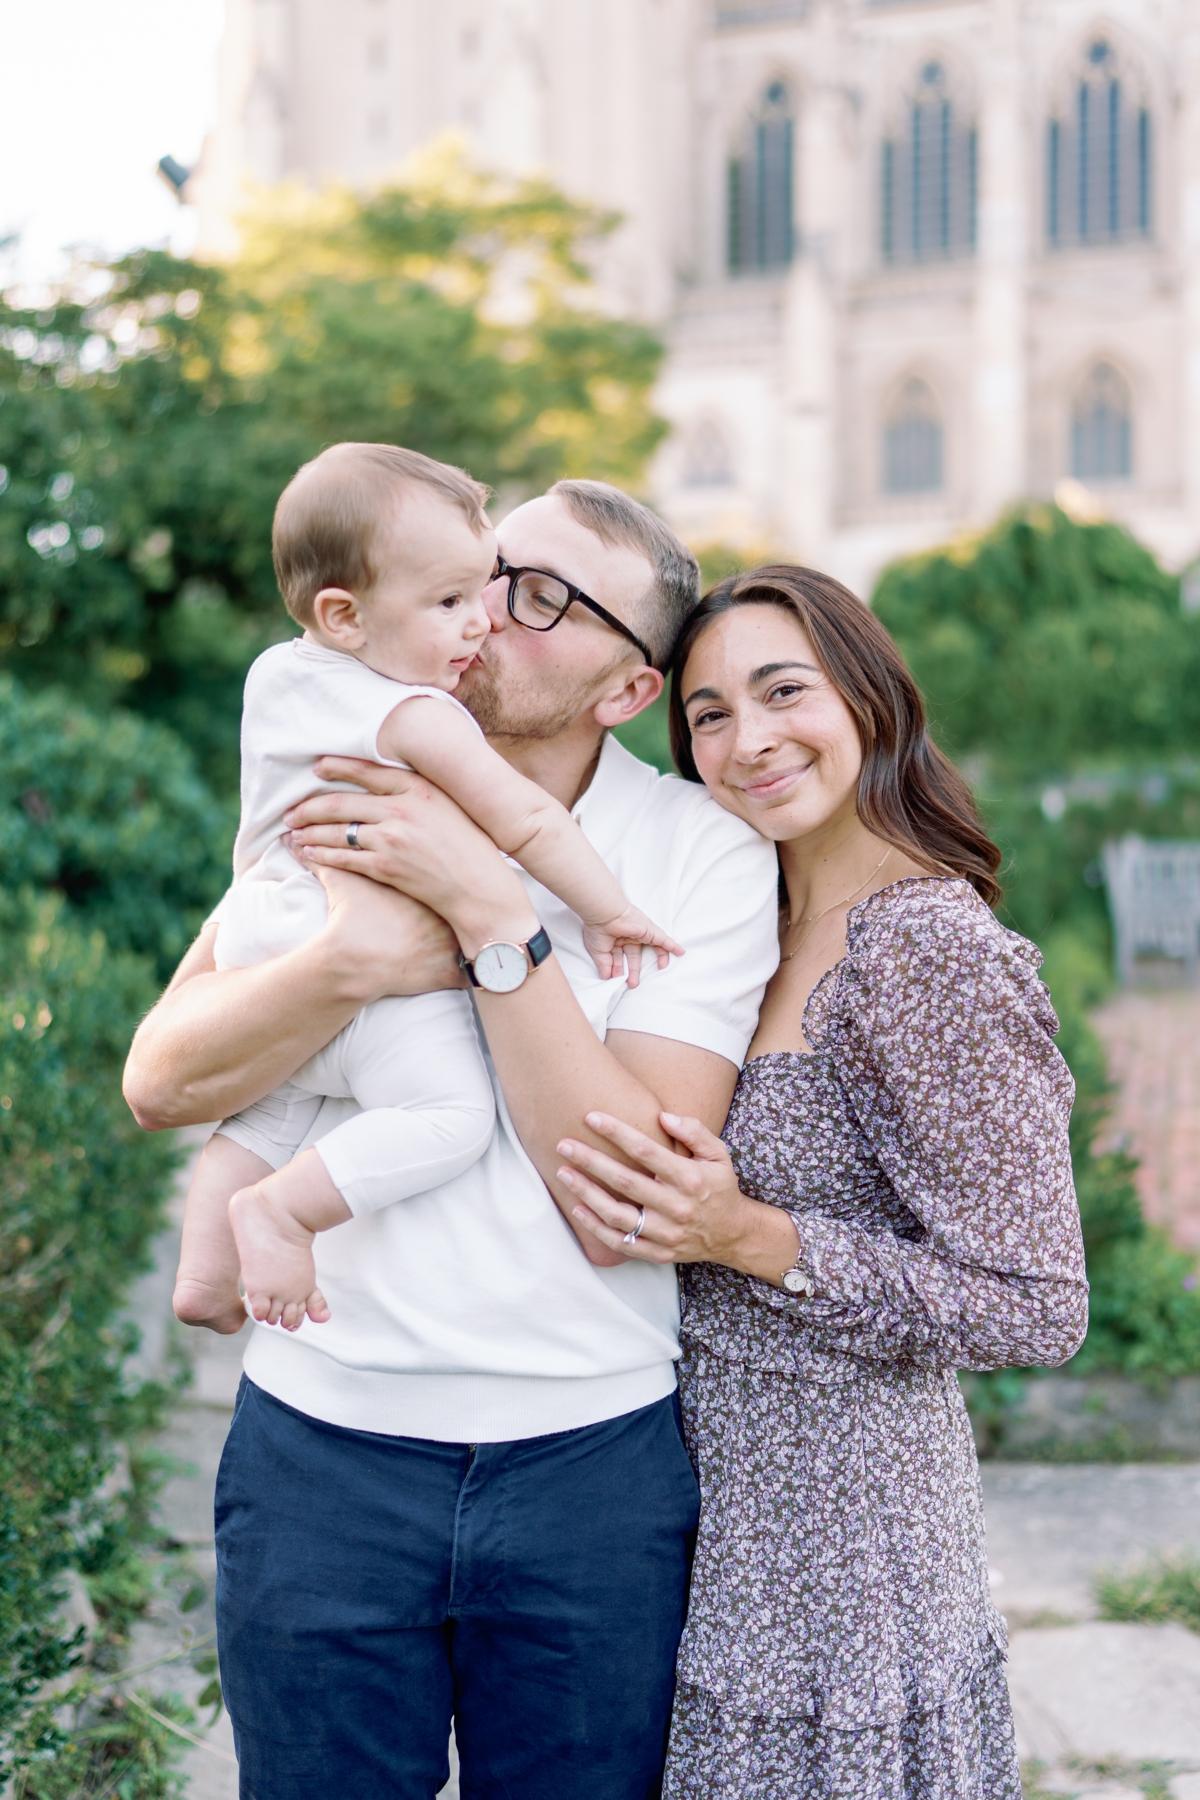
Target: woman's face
{"type": "Point", "coordinates": [773, 739]}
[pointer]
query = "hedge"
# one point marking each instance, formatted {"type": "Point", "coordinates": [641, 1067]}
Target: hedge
{"type": "Point", "coordinates": [108, 810]}
{"type": "Point", "coordinates": [81, 1196]}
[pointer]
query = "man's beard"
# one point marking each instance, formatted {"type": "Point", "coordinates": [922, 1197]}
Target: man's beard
{"type": "Point", "coordinates": [522, 715]}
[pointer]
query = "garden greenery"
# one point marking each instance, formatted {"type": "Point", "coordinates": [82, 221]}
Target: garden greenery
{"type": "Point", "coordinates": [81, 1191]}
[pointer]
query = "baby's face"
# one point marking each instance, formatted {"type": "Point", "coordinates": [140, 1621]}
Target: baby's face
{"type": "Point", "coordinates": [426, 620]}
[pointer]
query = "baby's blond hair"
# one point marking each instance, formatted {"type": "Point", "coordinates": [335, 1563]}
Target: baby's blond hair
{"type": "Point", "coordinates": [328, 516]}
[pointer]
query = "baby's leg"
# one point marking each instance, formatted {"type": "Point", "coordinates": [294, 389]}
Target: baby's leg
{"type": "Point", "coordinates": [206, 1287]}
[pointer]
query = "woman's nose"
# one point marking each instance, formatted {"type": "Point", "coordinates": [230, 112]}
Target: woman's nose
{"type": "Point", "coordinates": [752, 737]}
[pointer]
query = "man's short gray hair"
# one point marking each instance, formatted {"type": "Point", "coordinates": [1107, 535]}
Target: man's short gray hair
{"type": "Point", "coordinates": [616, 519]}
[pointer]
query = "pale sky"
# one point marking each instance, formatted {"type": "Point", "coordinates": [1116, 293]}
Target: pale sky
{"type": "Point", "coordinates": [92, 93]}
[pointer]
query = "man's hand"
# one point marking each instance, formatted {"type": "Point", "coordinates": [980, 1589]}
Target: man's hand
{"type": "Point", "coordinates": [393, 943]}
{"type": "Point", "coordinates": [413, 837]}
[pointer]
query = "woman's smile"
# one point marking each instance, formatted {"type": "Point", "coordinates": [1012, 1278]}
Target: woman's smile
{"type": "Point", "coordinates": [771, 784]}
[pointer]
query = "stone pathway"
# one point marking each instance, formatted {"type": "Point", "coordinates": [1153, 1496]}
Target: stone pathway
{"type": "Point", "coordinates": [1097, 1705]}
{"type": "Point", "coordinates": [1100, 1707]}
{"type": "Point", "coordinates": [1153, 1044]}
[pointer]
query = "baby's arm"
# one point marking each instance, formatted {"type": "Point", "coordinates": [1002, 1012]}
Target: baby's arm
{"type": "Point", "coordinates": [526, 823]}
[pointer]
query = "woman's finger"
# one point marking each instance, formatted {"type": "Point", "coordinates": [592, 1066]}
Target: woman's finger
{"type": "Point", "coordinates": [703, 1143]}
{"type": "Point", "coordinates": [611, 1220]}
{"type": "Point", "coordinates": [639, 1251]}
{"type": "Point", "coordinates": [664, 1162]}
{"type": "Point", "coordinates": [618, 1177]}
{"type": "Point", "coordinates": [632, 1184]}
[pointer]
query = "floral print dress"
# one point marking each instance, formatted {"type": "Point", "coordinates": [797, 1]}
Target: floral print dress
{"type": "Point", "coordinates": [841, 1642]}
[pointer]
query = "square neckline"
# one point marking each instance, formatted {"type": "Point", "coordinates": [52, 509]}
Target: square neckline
{"type": "Point", "coordinates": [835, 968]}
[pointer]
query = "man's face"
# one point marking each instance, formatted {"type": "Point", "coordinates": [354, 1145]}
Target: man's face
{"type": "Point", "coordinates": [534, 684]}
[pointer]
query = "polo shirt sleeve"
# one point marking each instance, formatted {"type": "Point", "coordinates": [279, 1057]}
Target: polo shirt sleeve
{"type": "Point", "coordinates": [726, 916]}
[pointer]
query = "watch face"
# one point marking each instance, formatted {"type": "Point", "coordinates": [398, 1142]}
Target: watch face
{"type": "Point", "coordinates": [501, 967]}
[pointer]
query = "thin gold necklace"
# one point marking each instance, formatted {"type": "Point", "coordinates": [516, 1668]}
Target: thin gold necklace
{"type": "Point", "coordinates": [817, 917]}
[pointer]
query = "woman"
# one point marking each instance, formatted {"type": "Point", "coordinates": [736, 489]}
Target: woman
{"type": "Point", "coordinates": [895, 1203]}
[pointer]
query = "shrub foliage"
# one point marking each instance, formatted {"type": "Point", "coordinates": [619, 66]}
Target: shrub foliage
{"type": "Point", "coordinates": [80, 1197]}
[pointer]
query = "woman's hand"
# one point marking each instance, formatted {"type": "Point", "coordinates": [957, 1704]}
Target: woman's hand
{"type": "Point", "coordinates": [413, 837]}
{"type": "Point", "coordinates": [695, 1211]}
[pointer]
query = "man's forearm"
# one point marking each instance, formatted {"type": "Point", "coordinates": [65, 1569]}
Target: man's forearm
{"type": "Point", "coordinates": [219, 1040]}
{"type": "Point", "coordinates": [554, 1070]}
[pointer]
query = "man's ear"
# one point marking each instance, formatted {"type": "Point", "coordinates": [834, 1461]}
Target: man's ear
{"type": "Point", "coordinates": [337, 615]}
{"type": "Point", "coordinates": [640, 691]}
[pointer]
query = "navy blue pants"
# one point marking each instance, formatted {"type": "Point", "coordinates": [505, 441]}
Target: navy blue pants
{"type": "Point", "coordinates": [371, 1588]}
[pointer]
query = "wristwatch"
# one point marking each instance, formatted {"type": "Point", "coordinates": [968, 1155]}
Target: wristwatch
{"type": "Point", "coordinates": [797, 1279]}
{"type": "Point", "coordinates": [500, 967]}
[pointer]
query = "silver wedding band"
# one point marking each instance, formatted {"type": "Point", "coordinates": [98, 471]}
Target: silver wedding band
{"type": "Point", "coordinates": [631, 1237]}
{"type": "Point", "coordinates": [352, 837]}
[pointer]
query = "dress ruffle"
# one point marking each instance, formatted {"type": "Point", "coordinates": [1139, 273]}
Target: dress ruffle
{"type": "Point", "coordinates": [963, 1749]}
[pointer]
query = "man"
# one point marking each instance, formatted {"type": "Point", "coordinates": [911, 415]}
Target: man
{"type": "Point", "coordinates": [466, 1495]}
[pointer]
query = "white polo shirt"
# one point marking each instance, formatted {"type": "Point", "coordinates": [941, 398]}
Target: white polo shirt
{"type": "Point", "coordinates": [469, 1313]}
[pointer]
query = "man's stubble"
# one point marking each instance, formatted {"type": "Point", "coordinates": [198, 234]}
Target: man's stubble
{"type": "Point", "coordinates": [524, 712]}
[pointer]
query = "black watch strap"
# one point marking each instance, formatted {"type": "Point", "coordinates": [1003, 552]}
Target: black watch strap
{"type": "Point", "coordinates": [537, 949]}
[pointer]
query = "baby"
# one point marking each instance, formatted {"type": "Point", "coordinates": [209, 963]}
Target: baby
{"type": "Point", "coordinates": [383, 556]}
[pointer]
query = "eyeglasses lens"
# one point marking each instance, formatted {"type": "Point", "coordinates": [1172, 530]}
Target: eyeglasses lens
{"type": "Point", "coordinates": [539, 601]}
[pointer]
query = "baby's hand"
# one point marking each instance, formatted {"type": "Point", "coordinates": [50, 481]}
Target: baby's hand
{"type": "Point", "coordinates": [278, 1271]}
{"type": "Point", "coordinates": [616, 946]}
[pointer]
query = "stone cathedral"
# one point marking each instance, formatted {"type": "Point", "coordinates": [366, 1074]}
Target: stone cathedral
{"type": "Point", "coordinates": [913, 259]}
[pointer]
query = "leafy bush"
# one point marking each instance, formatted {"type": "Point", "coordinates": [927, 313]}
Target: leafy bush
{"type": "Point", "coordinates": [81, 1192]}
{"type": "Point", "coordinates": [108, 809]}
{"type": "Point", "coordinates": [1144, 1309]}
{"type": "Point", "coordinates": [116, 1747]}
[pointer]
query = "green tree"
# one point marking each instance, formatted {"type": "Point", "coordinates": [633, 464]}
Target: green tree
{"type": "Point", "coordinates": [1045, 646]}
{"type": "Point", "coordinates": [145, 434]}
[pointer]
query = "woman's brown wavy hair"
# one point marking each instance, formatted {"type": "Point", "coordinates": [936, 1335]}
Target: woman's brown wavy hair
{"type": "Point", "coordinates": [909, 794]}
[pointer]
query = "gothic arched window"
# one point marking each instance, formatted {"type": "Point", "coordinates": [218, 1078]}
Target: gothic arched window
{"type": "Point", "coordinates": [912, 442]}
{"type": "Point", "coordinates": [928, 179]}
{"type": "Point", "coordinates": [707, 461]}
{"type": "Point", "coordinates": [1102, 427]}
{"type": "Point", "coordinates": [1098, 157]}
{"type": "Point", "coordinates": [760, 187]}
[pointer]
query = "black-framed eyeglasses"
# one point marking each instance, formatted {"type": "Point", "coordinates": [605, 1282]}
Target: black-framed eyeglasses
{"type": "Point", "coordinates": [539, 600]}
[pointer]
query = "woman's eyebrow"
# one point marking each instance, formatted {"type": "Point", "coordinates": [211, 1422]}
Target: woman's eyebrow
{"type": "Point", "coordinates": [757, 675]}
{"type": "Point", "coordinates": [702, 694]}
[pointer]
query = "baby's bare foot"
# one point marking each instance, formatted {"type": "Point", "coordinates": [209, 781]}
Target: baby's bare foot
{"type": "Point", "coordinates": [214, 1305]}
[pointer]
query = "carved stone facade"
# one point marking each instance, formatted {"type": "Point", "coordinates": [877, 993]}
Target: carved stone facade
{"type": "Point", "coordinates": [914, 259]}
